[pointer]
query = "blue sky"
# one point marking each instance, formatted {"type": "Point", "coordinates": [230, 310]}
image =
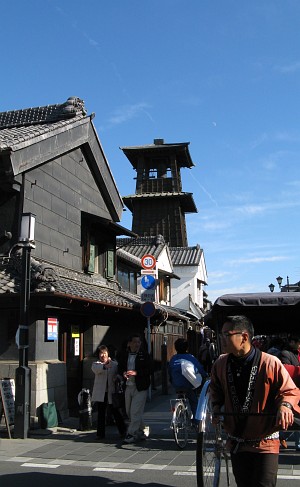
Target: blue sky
{"type": "Point", "coordinates": [223, 75]}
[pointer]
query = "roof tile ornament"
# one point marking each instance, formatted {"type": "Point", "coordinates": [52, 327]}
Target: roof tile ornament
{"type": "Point", "coordinates": [48, 114]}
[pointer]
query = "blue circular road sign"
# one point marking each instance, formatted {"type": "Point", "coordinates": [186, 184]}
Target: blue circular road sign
{"type": "Point", "coordinates": [148, 282]}
{"type": "Point", "coordinates": [148, 309]}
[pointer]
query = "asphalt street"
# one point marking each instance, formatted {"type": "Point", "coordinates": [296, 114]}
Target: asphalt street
{"type": "Point", "coordinates": [65, 456]}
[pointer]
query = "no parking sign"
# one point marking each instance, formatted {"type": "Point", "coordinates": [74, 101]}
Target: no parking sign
{"type": "Point", "coordinates": [148, 309]}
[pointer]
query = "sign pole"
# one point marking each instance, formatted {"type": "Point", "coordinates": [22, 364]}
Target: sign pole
{"type": "Point", "coordinates": [148, 285]}
{"type": "Point", "coordinates": [149, 350]}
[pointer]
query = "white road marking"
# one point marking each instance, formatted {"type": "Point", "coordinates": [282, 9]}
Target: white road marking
{"type": "Point", "coordinates": [113, 470]}
{"type": "Point", "coordinates": [106, 464]}
{"type": "Point", "coordinates": [20, 459]}
{"type": "Point", "coordinates": [289, 477]}
{"type": "Point", "coordinates": [192, 474]}
{"type": "Point", "coordinates": [40, 465]}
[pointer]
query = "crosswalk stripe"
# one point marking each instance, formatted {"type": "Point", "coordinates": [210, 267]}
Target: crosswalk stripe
{"type": "Point", "coordinates": [183, 473]}
{"type": "Point", "coordinates": [39, 465]}
{"type": "Point", "coordinates": [289, 477]}
{"type": "Point", "coordinates": [113, 470]}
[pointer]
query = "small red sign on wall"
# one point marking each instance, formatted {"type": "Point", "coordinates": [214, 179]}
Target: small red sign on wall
{"type": "Point", "coordinates": [52, 329]}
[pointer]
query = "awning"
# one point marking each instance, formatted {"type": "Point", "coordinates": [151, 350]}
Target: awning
{"type": "Point", "coordinates": [269, 312]}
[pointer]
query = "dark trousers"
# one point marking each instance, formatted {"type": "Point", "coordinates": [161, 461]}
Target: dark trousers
{"type": "Point", "coordinates": [255, 469]}
{"type": "Point", "coordinates": [102, 418]}
{"type": "Point", "coordinates": [191, 394]}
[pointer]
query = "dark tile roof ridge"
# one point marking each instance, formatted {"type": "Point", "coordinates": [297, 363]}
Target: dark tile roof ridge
{"type": "Point", "coordinates": [92, 288]}
{"type": "Point", "coordinates": [188, 247]}
{"type": "Point", "coordinates": [142, 240]}
{"type": "Point", "coordinates": [56, 280]}
{"type": "Point", "coordinates": [140, 246]}
{"type": "Point", "coordinates": [43, 114]}
{"type": "Point", "coordinates": [155, 145]}
{"type": "Point", "coordinates": [166, 193]}
{"type": "Point", "coordinates": [186, 256]}
{"type": "Point", "coordinates": [128, 256]}
{"type": "Point", "coordinates": [51, 278]}
{"type": "Point", "coordinates": [12, 137]}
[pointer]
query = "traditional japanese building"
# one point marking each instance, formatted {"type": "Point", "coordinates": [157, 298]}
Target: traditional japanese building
{"type": "Point", "coordinates": [52, 165]}
{"type": "Point", "coordinates": [159, 205]}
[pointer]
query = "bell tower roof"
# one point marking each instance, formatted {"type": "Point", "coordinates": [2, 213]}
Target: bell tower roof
{"type": "Point", "coordinates": [160, 150]}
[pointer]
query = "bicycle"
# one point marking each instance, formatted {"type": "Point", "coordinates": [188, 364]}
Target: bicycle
{"type": "Point", "coordinates": [210, 444]}
{"type": "Point", "coordinates": [181, 422]}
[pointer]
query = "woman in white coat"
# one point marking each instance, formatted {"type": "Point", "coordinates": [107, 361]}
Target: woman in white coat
{"type": "Point", "coordinates": [105, 371]}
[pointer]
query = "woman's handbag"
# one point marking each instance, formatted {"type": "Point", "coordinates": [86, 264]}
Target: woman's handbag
{"type": "Point", "coordinates": [118, 397]}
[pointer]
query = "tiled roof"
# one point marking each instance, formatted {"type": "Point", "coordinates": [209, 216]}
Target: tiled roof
{"type": "Point", "coordinates": [186, 199]}
{"type": "Point", "coordinates": [186, 255]}
{"type": "Point", "coordinates": [141, 246]}
{"type": "Point", "coordinates": [59, 281]}
{"type": "Point", "coordinates": [48, 114]}
{"type": "Point", "coordinates": [20, 125]}
{"type": "Point", "coordinates": [160, 148]}
{"type": "Point", "coordinates": [126, 256]}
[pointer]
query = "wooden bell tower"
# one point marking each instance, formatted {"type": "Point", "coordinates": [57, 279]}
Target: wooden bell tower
{"type": "Point", "coordinates": [159, 205]}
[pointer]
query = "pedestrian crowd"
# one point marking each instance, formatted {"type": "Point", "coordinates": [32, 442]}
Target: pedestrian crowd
{"type": "Point", "coordinates": [254, 390]}
{"type": "Point", "coordinates": [131, 370]}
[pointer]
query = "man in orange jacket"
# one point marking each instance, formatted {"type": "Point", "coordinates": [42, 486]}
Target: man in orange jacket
{"type": "Point", "coordinates": [244, 382]}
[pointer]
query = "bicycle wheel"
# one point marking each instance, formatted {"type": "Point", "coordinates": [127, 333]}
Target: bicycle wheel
{"type": "Point", "coordinates": [208, 456]}
{"type": "Point", "coordinates": [180, 425]}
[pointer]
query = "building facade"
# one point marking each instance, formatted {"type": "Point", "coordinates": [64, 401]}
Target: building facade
{"type": "Point", "coordinates": [52, 165]}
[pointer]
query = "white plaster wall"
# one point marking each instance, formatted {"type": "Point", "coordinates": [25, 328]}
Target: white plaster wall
{"type": "Point", "coordinates": [187, 285]}
{"type": "Point", "coordinates": [180, 289]}
{"type": "Point", "coordinates": [164, 262]}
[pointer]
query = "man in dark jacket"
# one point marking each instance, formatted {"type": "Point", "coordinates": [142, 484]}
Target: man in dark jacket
{"type": "Point", "coordinates": [289, 355]}
{"type": "Point", "coordinates": [135, 365]}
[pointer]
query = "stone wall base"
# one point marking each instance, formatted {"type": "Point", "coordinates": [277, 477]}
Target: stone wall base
{"type": "Point", "coordinates": [48, 383]}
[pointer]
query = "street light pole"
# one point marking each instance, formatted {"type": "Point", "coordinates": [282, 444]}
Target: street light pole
{"type": "Point", "coordinates": [23, 372]}
{"type": "Point", "coordinates": [279, 279]}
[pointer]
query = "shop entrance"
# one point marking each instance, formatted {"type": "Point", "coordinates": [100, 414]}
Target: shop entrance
{"type": "Point", "coordinates": [72, 355]}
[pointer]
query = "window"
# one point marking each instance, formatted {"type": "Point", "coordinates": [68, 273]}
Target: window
{"type": "Point", "coordinates": [98, 246]}
{"type": "Point", "coordinates": [164, 290]}
{"type": "Point", "coordinates": [127, 278]}
{"type": "Point", "coordinates": [199, 291]}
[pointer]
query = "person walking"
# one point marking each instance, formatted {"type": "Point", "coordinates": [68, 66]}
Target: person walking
{"type": "Point", "coordinates": [178, 380]}
{"type": "Point", "coordinates": [289, 356]}
{"type": "Point", "coordinates": [256, 395]}
{"type": "Point", "coordinates": [105, 370]}
{"type": "Point", "coordinates": [205, 356]}
{"type": "Point", "coordinates": [135, 365]}
{"type": "Point", "coordinates": [275, 346]}
{"type": "Point", "coordinates": [290, 353]}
